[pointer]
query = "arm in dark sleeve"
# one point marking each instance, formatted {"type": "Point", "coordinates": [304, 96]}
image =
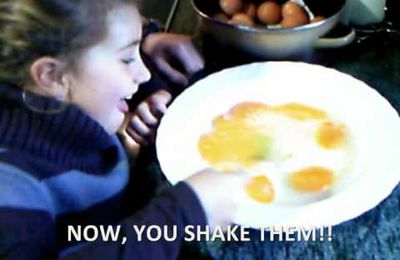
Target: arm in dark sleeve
{"type": "Point", "coordinates": [159, 82]}
{"type": "Point", "coordinates": [156, 83]}
{"type": "Point", "coordinates": [178, 206]}
{"type": "Point", "coordinates": [26, 234]}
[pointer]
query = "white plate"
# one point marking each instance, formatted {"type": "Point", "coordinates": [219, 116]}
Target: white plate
{"type": "Point", "coordinates": [375, 124]}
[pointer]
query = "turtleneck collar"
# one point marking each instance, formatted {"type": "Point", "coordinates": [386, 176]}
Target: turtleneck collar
{"type": "Point", "coordinates": [69, 138]}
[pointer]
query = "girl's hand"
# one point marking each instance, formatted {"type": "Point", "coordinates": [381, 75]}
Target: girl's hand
{"type": "Point", "coordinates": [167, 48]}
{"type": "Point", "coordinates": [145, 119]}
{"type": "Point", "coordinates": [219, 194]}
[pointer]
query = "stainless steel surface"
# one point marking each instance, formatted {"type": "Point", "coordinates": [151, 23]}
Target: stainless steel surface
{"type": "Point", "coordinates": [171, 15]}
{"type": "Point", "coordinates": [274, 43]}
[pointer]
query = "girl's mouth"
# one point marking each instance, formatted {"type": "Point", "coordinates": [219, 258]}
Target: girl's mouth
{"type": "Point", "coordinates": [123, 106]}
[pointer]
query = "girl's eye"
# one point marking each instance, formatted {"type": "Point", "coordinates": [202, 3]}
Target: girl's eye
{"type": "Point", "coordinates": [128, 61]}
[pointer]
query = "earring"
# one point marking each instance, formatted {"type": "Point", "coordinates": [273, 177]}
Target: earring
{"type": "Point", "coordinates": [42, 104]}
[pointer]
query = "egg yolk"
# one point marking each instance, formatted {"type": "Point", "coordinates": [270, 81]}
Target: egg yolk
{"type": "Point", "coordinates": [238, 140]}
{"type": "Point", "coordinates": [311, 179]}
{"type": "Point", "coordinates": [234, 142]}
{"type": "Point", "coordinates": [300, 111]}
{"type": "Point", "coordinates": [260, 189]}
{"type": "Point", "coordinates": [330, 135]}
{"type": "Point", "coordinates": [246, 109]}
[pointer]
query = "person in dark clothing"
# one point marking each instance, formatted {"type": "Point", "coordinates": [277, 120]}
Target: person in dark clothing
{"type": "Point", "coordinates": [67, 69]}
{"type": "Point", "coordinates": [174, 62]}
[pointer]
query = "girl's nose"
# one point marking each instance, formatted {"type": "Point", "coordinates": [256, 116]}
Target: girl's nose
{"type": "Point", "coordinates": [142, 74]}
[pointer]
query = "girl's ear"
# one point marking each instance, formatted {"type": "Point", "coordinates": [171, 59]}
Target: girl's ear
{"type": "Point", "coordinates": [48, 76]}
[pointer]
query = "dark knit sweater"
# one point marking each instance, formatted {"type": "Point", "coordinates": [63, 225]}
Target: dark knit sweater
{"type": "Point", "coordinates": [63, 169]}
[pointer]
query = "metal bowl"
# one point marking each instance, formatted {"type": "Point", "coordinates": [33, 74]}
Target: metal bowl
{"type": "Point", "coordinates": [274, 43]}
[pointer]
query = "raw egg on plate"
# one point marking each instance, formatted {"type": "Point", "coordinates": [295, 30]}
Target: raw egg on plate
{"type": "Point", "coordinates": [312, 178]}
{"type": "Point", "coordinates": [330, 135]}
{"type": "Point", "coordinates": [260, 189]}
{"type": "Point", "coordinates": [235, 142]}
{"type": "Point", "coordinates": [308, 150]}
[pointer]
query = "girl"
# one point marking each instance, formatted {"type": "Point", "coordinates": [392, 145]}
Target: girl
{"type": "Point", "coordinates": [67, 69]}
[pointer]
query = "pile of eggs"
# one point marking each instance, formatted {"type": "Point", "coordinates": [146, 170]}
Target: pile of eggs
{"type": "Point", "coordinates": [270, 14]}
{"type": "Point", "coordinates": [293, 152]}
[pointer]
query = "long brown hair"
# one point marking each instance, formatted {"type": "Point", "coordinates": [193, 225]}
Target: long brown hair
{"type": "Point", "coordinates": [30, 29]}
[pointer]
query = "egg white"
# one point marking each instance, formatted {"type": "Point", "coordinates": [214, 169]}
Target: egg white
{"type": "Point", "coordinates": [293, 147]}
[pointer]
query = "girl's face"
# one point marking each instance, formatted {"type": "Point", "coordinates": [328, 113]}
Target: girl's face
{"type": "Point", "coordinates": [110, 71]}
